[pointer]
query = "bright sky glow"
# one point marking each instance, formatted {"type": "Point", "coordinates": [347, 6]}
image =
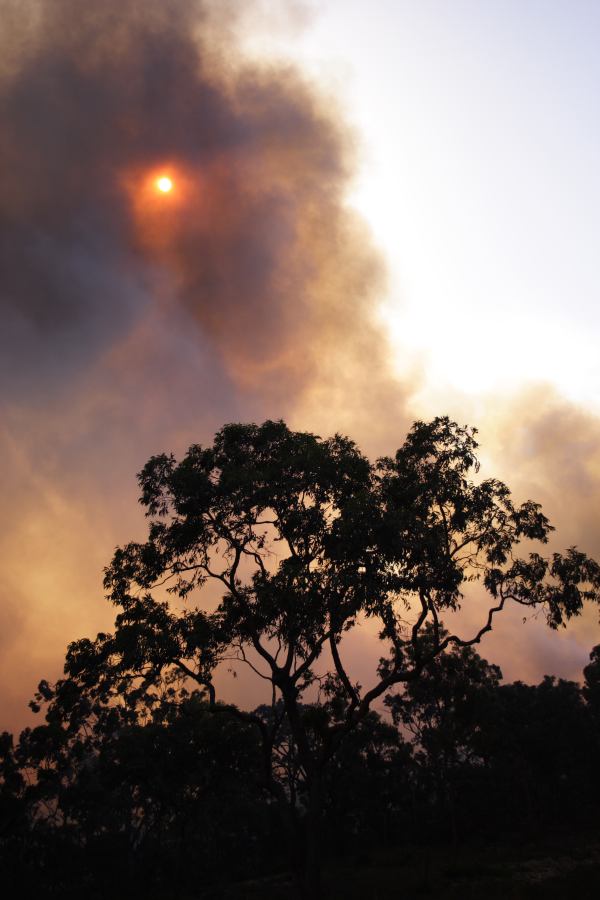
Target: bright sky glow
{"type": "Point", "coordinates": [164, 184]}
{"type": "Point", "coordinates": [481, 138]}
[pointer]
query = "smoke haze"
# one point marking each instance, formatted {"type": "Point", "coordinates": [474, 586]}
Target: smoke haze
{"type": "Point", "coordinates": [134, 322]}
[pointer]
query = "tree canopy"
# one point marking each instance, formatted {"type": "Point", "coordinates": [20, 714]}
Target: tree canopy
{"type": "Point", "coordinates": [306, 535]}
{"type": "Point", "coordinates": [305, 538]}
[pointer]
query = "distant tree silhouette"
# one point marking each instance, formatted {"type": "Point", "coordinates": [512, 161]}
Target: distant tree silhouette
{"type": "Point", "coordinates": [491, 756]}
{"type": "Point", "coordinates": [448, 710]}
{"type": "Point", "coordinates": [14, 819]}
{"type": "Point", "coordinates": [365, 789]}
{"type": "Point", "coordinates": [541, 754]}
{"type": "Point", "coordinates": [106, 801]}
{"type": "Point", "coordinates": [305, 539]}
{"type": "Point", "coordinates": [591, 689]}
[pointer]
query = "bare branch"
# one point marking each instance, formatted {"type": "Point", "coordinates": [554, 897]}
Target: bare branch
{"type": "Point", "coordinates": [342, 672]}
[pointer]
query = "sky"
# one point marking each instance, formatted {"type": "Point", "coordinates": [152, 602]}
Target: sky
{"type": "Point", "coordinates": [480, 131]}
{"type": "Point", "coordinates": [380, 212]}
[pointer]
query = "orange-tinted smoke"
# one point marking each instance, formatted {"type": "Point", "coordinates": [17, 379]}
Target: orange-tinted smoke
{"type": "Point", "coordinates": [135, 323]}
{"type": "Point", "coordinates": [257, 248]}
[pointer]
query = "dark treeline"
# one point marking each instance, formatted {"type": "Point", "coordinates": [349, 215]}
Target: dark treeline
{"type": "Point", "coordinates": [163, 795]}
{"type": "Point", "coordinates": [141, 783]}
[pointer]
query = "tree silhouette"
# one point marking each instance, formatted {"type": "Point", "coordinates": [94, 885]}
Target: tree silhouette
{"type": "Point", "coordinates": [448, 710]}
{"type": "Point", "coordinates": [591, 688]}
{"type": "Point", "coordinates": [97, 799]}
{"type": "Point", "coordinates": [305, 539]}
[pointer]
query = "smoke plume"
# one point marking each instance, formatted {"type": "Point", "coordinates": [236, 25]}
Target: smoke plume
{"type": "Point", "coordinates": [135, 321]}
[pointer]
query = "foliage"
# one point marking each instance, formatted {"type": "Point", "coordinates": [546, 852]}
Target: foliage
{"type": "Point", "coordinates": [305, 539]}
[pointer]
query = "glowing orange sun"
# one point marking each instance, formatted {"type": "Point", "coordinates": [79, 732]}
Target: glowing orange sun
{"type": "Point", "coordinates": [164, 184]}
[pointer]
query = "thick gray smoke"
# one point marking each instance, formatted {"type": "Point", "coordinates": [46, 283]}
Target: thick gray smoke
{"type": "Point", "coordinates": [134, 322]}
{"type": "Point", "coordinates": [257, 250]}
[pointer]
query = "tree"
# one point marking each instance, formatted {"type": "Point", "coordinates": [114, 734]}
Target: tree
{"type": "Point", "coordinates": [306, 538]}
{"type": "Point", "coordinates": [541, 754]}
{"type": "Point", "coordinates": [96, 800]}
{"type": "Point", "coordinates": [448, 710]}
{"type": "Point", "coordinates": [591, 689]}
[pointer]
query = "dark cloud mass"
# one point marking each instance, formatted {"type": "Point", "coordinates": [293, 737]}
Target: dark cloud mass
{"type": "Point", "coordinates": [100, 98]}
{"type": "Point", "coordinates": [134, 322]}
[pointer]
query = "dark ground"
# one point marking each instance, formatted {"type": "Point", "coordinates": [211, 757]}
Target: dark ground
{"type": "Point", "coordinates": [558, 868]}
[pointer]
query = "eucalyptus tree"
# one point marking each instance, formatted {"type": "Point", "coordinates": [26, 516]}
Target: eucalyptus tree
{"type": "Point", "coordinates": [306, 539]}
{"type": "Point", "coordinates": [449, 711]}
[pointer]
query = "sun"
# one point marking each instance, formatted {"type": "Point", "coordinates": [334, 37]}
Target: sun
{"type": "Point", "coordinates": [164, 184]}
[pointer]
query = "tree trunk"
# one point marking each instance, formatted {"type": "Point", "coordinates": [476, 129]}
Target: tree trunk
{"type": "Point", "coordinates": [312, 875]}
